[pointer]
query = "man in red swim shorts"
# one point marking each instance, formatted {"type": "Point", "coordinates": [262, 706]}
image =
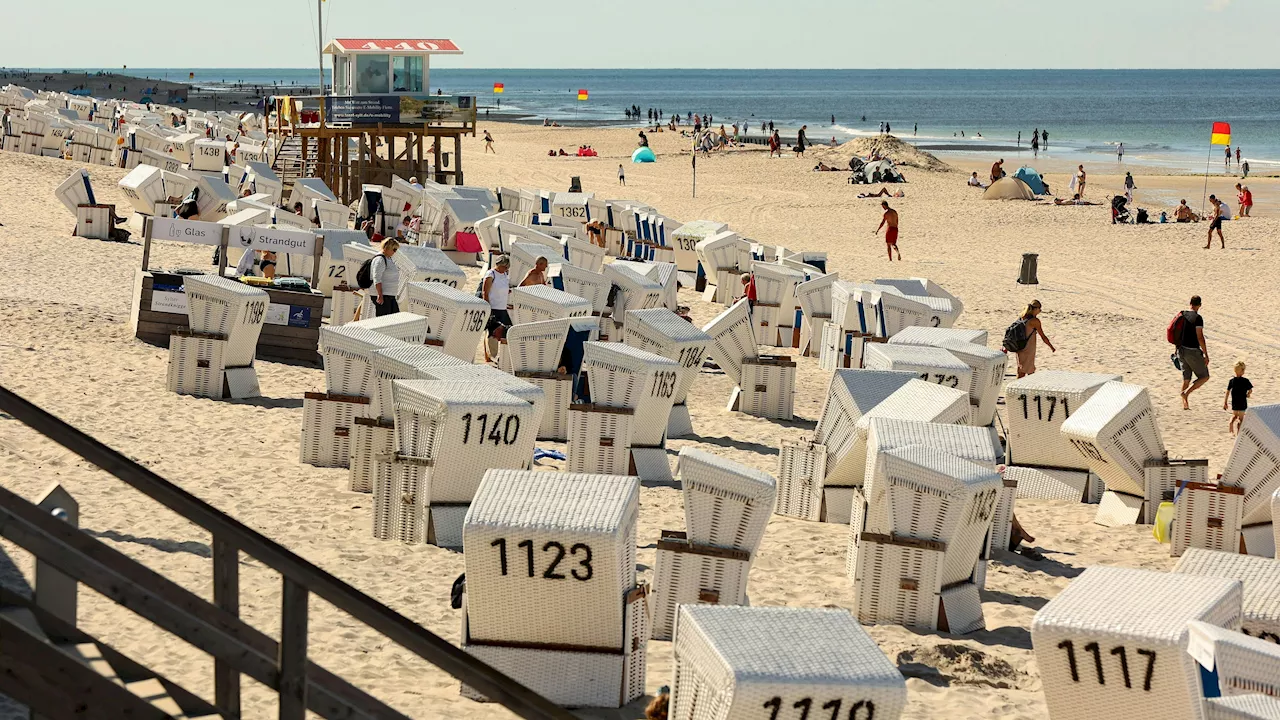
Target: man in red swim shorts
{"type": "Point", "coordinates": [891, 233]}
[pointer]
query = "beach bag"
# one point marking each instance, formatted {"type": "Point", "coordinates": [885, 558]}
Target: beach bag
{"type": "Point", "coordinates": [1015, 336]}
{"type": "Point", "coordinates": [364, 276]}
{"type": "Point", "coordinates": [1174, 332]}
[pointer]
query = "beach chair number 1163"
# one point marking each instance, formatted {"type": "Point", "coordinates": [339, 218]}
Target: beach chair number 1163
{"type": "Point", "coordinates": [806, 704]}
{"type": "Point", "coordinates": [582, 572]}
{"type": "Point", "coordinates": [1120, 652]}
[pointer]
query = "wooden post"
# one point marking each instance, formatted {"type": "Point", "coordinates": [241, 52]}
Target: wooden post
{"type": "Point", "coordinates": [55, 593]}
{"type": "Point", "coordinates": [457, 159]}
{"type": "Point", "coordinates": [292, 661]}
{"type": "Point", "coordinates": [435, 148]}
{"type": "Point", "coordinates": [146, 242]}
{"type": "Point", "coordinates": [319, 260]}
{"type": "Point", "coordinates": [222, 253]}
{"type": "Point", "coordinates": [345, 180]}
{"type": "Point", "coordinates": [302, 168]}
{"type": "Point", "coordinates": [226, 595]}
{"type": "Point", "coordinates": [360, 165]}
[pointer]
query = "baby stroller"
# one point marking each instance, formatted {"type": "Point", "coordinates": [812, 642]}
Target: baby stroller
{"type": "Point", "coordinates": [858, 166]}
{"type": "Point", "coordinates": [1119, 210]}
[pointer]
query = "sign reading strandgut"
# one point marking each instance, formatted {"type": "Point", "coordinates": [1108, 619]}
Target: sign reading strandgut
{"type": "Point", "coordinates": [281, 240]}
{"type": "Point", "coordinates": [190, 231]}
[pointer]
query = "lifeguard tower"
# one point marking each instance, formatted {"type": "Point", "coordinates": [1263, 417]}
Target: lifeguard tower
{"type": "Point", "coordinates": [378, 120]}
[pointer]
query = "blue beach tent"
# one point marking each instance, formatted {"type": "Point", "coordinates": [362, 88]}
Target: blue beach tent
{"type": "Point", "coordinates": [1032, 179]}
{"type": "Point", "coordinates": [643, 155]}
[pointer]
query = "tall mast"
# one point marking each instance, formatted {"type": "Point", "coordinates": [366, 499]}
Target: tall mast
{"type": "Point", "coordinates": [320, 41]}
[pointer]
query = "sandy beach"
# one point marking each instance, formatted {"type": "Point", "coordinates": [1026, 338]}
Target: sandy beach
{"type": "Point", "coordinates": [1108, 292]}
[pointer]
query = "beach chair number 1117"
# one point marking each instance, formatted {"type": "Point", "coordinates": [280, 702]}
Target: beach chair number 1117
{"type": "Point", "coordinates": [1120, 652]}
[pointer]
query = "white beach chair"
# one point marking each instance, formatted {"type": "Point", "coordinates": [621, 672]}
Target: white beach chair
{"type": "Point", "coordinates": [938, 337]}
{"type": "Point", "coordinates": [1261, 579]}
{"type": "Point", "coordinates": [988, 367]}
{"type": "Point", "coordinates": [326, 428]}
{"type": "Point", "coordinates": [1035, 408]}
{"type": "Point", "coordinates": [1055, 483]}
{"type": "Point", "coordinates": [403, 361]}
{"type": "Point", "coordinates": [144, 186]}
{"type": "Point", "coordinates": [455, 320]}
{"type": "Point", "coordinates": [850, 395]}
{"type": "Point", "coordinates": [533, 347]}
{"type": "Point", "coordinates": [664, 274]}
{"type": "Point", "coordinates": [428, 264]}
{"type": "Point", "coordinates": [348, 358]}
{"type": "Point", "coordinates": [600, 439]}
{"type": "Point", "coordinates": [1234, 664]}
{"type": "Point", "coordinates": [591, 286]}
{"type": "Point", "coordinates": [1254, 706]}
{"type": "Point", "coordinates": [1254, 464]}
{"type": "Point", "coordinates": [732, 340]}
{"type": "Point", "coordinates": [814, 299]}
{"type": "Point", "coordinates": [583, 254]}
{"type": "Point", "coordinates": [215, 196]}
{"type": "Point", "coordinates": [927, 517]}
{"type": "Point", "coordinates": [623, 376]}
{"type": "Point", "coordinates": [569, 588]}
{"type": "Point", "coordinates": [718, 255]}
{"type": "Point", "coordinates": [632, 291]}
{"type": "Point", "coordinates": [197, 365]}
{"type": "Point", "coordinates": [75, 191]}
{"type": "Point", "coordinates": [662, 332]}
{"type": "Point", "coordinates": [733, 662]}
{"type": "Point", "coordinates": [767, 388]}
{"type": "Point", "coordinates": [371, 438]}
{"type": "Point", "coordinates": [1114, 643]}
{"type": "Point", "coordinates": [543, 302]}
{"type": "Point", "coordinates": [947, 307]}
{"type": "Point", "coordinates": [1162, 478]}
{"type": "Point", "coordinates": [685, 241]}
{"type": "Point", "coordinates": [1207, 516]}
{"type": "Point", "coordinates": [726, 504]}
{"type": "Point", "coordinates": [328, 214]}
{"type": "Point", "coordinates": [1115, 432]}
{"type": "Point", "coordinates": [802, 467]}
{"type": "Point", "coordinates": [228, 308]}
{"type": "Point", "coordinates": [307, 189]}
{"type": "Point", "coordinates": [406, 326]}
{"type": "Point", "coordinates": [930, 364]}
{"type": "Point", "coordinates": [688, 573]}
{"type": "Point", "coordinates": [207, 155]}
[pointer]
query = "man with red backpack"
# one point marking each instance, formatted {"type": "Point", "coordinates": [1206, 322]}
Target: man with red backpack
{"type": "Point", "coordinates": [1186, 333]}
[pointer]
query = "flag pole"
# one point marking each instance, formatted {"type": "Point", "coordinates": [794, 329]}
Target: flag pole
{"type": "Point", "coordinates": [1207, 162]}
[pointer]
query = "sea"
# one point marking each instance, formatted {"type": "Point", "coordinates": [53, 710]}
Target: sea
{"type": "Point", "coordinates": [1163, 117]}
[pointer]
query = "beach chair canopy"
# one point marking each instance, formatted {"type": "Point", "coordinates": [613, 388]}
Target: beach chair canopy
{"type": "Point", "coordinates": [1029, 176]}
{"type": "Point", "coordinates": [1008, 188]}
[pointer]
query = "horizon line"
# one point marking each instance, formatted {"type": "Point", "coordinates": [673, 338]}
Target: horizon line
{"type": "Point", "coordinates": [701, 69]}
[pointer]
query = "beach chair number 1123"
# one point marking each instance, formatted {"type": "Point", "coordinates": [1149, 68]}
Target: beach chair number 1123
{"type": "Point", "coordinates": [583, 572]}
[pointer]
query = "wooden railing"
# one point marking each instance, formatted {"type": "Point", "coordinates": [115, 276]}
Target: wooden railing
{"type": "Point", "coordinates": [216, 627]}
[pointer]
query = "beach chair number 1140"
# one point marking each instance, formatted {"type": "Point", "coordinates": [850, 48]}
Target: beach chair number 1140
{"type": "Point", "coordinates": [1120, 652]}
{"type": "Point", "coordinates": [582, 572]}
{"type": "Point", "coordinates": [806, 704]}
{"type": "Point", "coordinates": [501, 433]}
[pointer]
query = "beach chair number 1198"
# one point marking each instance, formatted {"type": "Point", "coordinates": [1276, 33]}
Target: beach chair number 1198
{"type": "Point", "coordinates": [1120, 652]}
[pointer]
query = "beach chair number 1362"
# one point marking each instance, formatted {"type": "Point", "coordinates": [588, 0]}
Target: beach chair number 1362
{"type": "Point", "coordinates": [806, 704]}
{"type": "Point", "coordinates": [582, 572]}
{"type": "Point", "coordinates": [1120, 652]}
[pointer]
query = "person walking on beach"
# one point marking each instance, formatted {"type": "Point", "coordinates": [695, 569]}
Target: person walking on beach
{"type": "Point", "coordinates": [1239, 390]}
{"type": "Point", "coordinates": [775, 144]}
{"type": "Point", "coordinates": [1035, 143]}
{"type": "Point", "coordinates": [1078, 182]}
{"type": "Point", "coordinates": [1129, 186]}
{"type": "Point", "coordinates": [622, 175]}
{"type": "Point", "coordinates": [915, 129]}
{"type": "Point", "coordinates": [496, 289]}
{"type": "Point", "coordinates": [1227, 162]}
{"type": "Point", "coordinates": [1044, 139]}
{"type": "Point", "coordinates": [801, 140]}
{"type": "Point", "coordinates": [1120, 152]}
{"type": "Point", "coordinates": [1245, 198]}
{"type": "Point", "coordinates": [386, 279]}
{"type": "Point", "coordinates": [1244, 167]}
{"type": "Point", "coordinates": [891, 232]}
{"type": "Point", "coordinates": [1020, 339]}
{"type": "Point", "coordinates": [488, 143]}
{"type": "Point", "coordinates": [1238, 155]}
{"type": "Point", "coordinates": [1193, 355]}
{"type": "Point", "coordinates": [1217, 222]}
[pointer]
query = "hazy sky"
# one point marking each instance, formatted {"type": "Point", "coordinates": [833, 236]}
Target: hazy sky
{"type": "Point", "coordinates": [637, 34]}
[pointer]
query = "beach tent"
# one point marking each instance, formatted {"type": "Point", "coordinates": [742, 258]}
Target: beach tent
{"type": "Point", "coordinates": [1008, 188]}
{"type": "Point", "coordinates": [888, 171]}
{"type": "Point", "coordinates": [1029, 176]}
{"type": "Point", "coordinates": [643, 155]}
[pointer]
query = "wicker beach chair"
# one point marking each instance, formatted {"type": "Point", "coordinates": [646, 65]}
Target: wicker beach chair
{"type": "Point", "coordinates": [403, 362]}
{"type": "Point", "coordinates": [767, 388]}
{"type": "Point", "coordinates": [719, 252]}
{"type": "Point", "coordinates": [802, 467]}
{"type": "Point", "coordinates": [988, 367]}
{"type": "Point", "coordinates": [690, 573]}
{"type": "Point", "coordinates": [591, 286]}
{"type": "Point", "coordinates": [735, 662]}
{"type": "Point", "coordinates": [934, 295]}
{"type": "Point", "coordinates": [1261, 578]}
{"type": "Point", "coordinates": [1114, 643]}
{"type": "Point", "coordinates": [1055, 483]}
{"type": "Point", "coordinates": [895, 312]}
{"type": "Point", "coordinates": [850, 395]}
{"type": "Point", "coordinates": [550, 558]}
{"type": "Point", "coordinates": [229, 308]}
{"type": "Point", "coordinates": [326, 428]}
{"type": "Point", "coordinates": [463, 429]}
{"type": "Point", "coordinates": [1162, 477]}
{"type": "Point", "coordinates": [662, 332]}
{"type": "Point", "coordinates": [600, 439]}
{"type": "Point", "coordinates": [632, 291]}
{"type": "Point", "coordinates": [726, 504]}
{"type": "Point", "coordinates": [1115, 432]}
{"type": "Point", "coordinates": [775, 311]}
{"type": "Point", "coordinates": [406, 326]}
{"type": "Point", "coordinates": [664, 274]}
{"type": "Point", "coordinates": [1254, 464]}
{"type": "Point", "coordinates": [684, 240]}
{"type": "Point", "coordinates": [543, 302]}
{"type": "Point", "coordinates": [1254, 706]}
{"type": "Point", "coordinates": [814, 299]}
{"type": "Point", "coordinates": [1207, 516]}
{"type": "Point", "coordinates": [732, 339]}
{"type": "Point", "coordinates": [197, 364]}
{"type": "Point", "coordinates": [144, 186]}
{"type": "Point", "coordinates": [582, 254]}
{"type": "Point", "coordinates": [490, 376]}
{"type": "Point", "coordinates": [1233, 663]}
{"type": "Point", "coordinates": [533, 347]}
{"type": "Point", "coordinates": [455, 320]}
{"type": "Point", "coordinates": [938, 337]}
{"type": "Point", "coordinates": [623, 376]}
{"type": "Point", "coordinates": [930, 364]}
{"type": "Point", "coordinates": [1036, 407]}
{"type": "Point", "coordinates": [348, 356]}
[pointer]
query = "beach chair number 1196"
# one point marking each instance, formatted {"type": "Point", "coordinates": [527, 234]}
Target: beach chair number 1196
{"type": "Point", "coordinates": [1120, 652]}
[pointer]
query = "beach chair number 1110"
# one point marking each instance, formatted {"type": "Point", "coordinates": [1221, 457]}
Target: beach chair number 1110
{"type": "Point", "coordinates": [805, 705]}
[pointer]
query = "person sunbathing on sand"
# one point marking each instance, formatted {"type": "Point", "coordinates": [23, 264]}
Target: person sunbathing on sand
{"type": "Point", "coordinates": [883, 192]}
{"type": "Point", "coordinates": [1075, 200]}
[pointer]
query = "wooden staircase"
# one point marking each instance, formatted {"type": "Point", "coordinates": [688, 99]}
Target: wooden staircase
{"type": "Point", "coordinates": [58, 671]}
{"type": "Point", "coordinates": [288, 164]}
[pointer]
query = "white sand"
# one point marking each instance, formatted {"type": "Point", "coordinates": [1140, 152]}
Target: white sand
{"type": "Point", "coordinates": [1108, 293]}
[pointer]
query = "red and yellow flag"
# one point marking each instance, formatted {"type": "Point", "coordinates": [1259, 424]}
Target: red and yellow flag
{"type": "Point", "coordinates": [1221, 134]}
{"type": "Point", "coordinates": [498, 88]}
{"type": "Point", "coordinates": [582, 94]}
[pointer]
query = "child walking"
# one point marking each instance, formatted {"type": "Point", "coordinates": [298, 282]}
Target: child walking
{"type": "Point", "coordinates": [622, 175]}
{"type": "Point", "coordinates": [1239, 390]}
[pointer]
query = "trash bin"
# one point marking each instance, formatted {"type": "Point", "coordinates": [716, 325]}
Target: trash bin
{"type": "Point", "coordinates": [1029, 267]}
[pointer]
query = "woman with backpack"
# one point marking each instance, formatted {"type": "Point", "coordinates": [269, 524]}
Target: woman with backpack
{"type": "Point", "coordinates": [1020, 339]}
{"type": "Point", "coordinates": [386, 279]}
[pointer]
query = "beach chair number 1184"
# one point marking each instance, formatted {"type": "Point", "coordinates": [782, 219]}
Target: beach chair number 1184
{"type": "Point", "coordinates": [1119, 652]}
